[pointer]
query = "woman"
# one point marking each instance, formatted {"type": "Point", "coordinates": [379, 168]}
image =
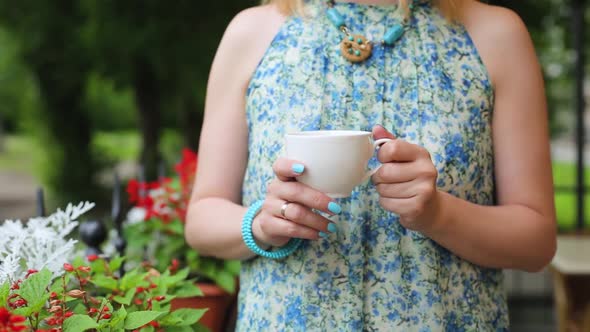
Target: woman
{"type": "Point", "coordinates": [465, 189]}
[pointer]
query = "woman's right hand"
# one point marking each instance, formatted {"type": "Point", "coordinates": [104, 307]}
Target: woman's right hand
{"type": "Point", "coordinates": [270, 228]}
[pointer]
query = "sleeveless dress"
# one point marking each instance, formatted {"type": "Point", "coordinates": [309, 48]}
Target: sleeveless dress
{"type": "Point", "coordinates": [432, 89]}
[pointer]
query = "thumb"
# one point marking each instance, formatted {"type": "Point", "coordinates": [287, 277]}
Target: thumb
{"type": "Point", "coordinates": [380, 132]}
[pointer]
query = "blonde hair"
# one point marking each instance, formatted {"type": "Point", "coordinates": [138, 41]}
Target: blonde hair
{"type": "Point", "coordinates": [450, 8]}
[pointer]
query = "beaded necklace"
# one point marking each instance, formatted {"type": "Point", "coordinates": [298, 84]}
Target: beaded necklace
{"type": "Point", "coordinates": [356, 47]}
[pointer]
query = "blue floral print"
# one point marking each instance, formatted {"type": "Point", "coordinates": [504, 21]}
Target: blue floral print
{"type": "Point", "coordinates": [431, 89]}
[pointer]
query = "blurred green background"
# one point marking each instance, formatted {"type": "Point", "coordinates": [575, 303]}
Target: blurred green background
{"type": "Point", "coordinates": [88, 86]}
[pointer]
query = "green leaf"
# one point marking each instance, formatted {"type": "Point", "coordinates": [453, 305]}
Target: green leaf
{"type": "Point", "coordinates": [77, 323]}
{"type": "Point", "coordinates": [132, 279]}
{"type": "Point", "coordinates": [199, 328]}
{"type": "Point", "coordinates": [170, 320]}
{"type": "Point", "coordinates": [58, 284]}
{"type": "Point", "coordinates": [148, 328]}
{"type": "Point", "coordinates": [188, 289]}
{"type": "Point", "coordinates": [33, 289]}
{"type": "Point", "coordinates": [23, 311]}
{"type": "Point", "coordinates": [98, 266]}
{"type": "Point", "coordinates": [43, 315]}
{"type": "Point", "coordinates": [126, 300]}
{"type": "Point", "coordinates": [183, 317]}
{"type": "Point", "coordinates": [233, 267]}
{"type": "Point", "coordinates": [4, 293]}
{"type": "Point", "coordinates": [164, 305]}
{"type": "Point", "coordinates": [117, 322]}
{"type": "Point", "coordinates": [175, 279]}
{"type": "Point", "coordinates": [192, 255]}
{"type": "Point", "coordinates": [78, 261]}
{"type": "Point", "coordinates": [139, 235]}
{"type": "Point", "coordinates": [176, 227]}
{"type": "Point", "coordinates": [103, 281]}
{"type": "Point", "coordinates": [178, 329]}
{"type": "Point", "coordinates": [226, 281]}
{"type": "Point", "coordinates": [34, 286]}
{"type": "Point", "coordinates": [80, 308]}
{"type": "Point", "coordinates": [140, 318]}
{"type": "Point", "coordinates": [116, 263]}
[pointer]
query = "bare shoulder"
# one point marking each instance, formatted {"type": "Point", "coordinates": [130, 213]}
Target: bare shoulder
{"type": "Point", "coordinates": [255, 21]}
{"type": "Point", "coordinates": [499, 34]}
{"type": "Point", "coordinates": [499, 22]}
{"type": "Point", "coordinates": [251, 31]}
{"type": "Point", "coordinates": [244, 42]}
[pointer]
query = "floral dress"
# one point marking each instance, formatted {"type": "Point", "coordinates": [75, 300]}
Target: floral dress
{"type": "Point", "coordinates": [432, 89]}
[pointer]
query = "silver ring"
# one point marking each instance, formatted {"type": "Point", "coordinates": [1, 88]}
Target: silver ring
{"type": "Point", "coordinates": [284, 208]}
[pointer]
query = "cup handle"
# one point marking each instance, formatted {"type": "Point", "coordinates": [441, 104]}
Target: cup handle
{"type": "Point", "coordinates": [376, 145]}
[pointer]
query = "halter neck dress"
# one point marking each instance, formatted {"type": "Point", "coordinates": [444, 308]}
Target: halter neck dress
{"type": "Point", "coordinates": [432, 89]}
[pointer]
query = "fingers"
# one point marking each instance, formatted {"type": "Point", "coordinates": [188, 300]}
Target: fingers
{"type": "Point", "coordinates": [299, 214]}
{"type": "Point", "coordinates": [282, 229]}
{"type": "Point", "coordinates": [396, 173]}
{"type": "Point", "coordinates": [400, 151]}
{"type": "Point", "coordinates": [298, 219]}
{"type": "Point", "coordinates": [296, 192]}
{"type": "Point", "coordinates": [398, 190]}
{"type": "Point", "coordinates": [287, 170]}
{"type": "Point", "coordinates": [380, 132]}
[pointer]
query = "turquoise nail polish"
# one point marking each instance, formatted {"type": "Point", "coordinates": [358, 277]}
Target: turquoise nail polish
{"type": "Point", "coordinates": [332, 228]}
{"type": "Point", "coordinates": [298, 168]}
{"type": "Point", "coordinates": [323, 235]}
{"type": "Point", "coordinates": [334, 208]}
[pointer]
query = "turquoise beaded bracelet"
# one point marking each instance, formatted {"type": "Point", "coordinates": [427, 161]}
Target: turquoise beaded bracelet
{"type": "Point", "coordinates": [282, 252]}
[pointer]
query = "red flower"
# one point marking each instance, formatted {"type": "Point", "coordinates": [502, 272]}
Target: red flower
{"type": "Point", "coordinates": [16, 285]}
{"type": "Point", "coordinates": [174, 266]}
{"type": "Point", "coordinates": [92, 258]}
{"type": "Point", "coordinates": [84, 268]}
{"type": "Point", "coordinates": [186, 169]}
{"type": "Point", "coordinates": [30, 271]}
{"type": "Point", "coordinates": [68, 267]}
{"type": "Point", "coordinates": [133, 190]}
{"type": "Point", "coordinates": [188, 163]}
{"type": "Point", "coordinates": [10, 322]}
{"type": "Point", "coordinates": [19, 303]}
{"type": "Point", "coordinates": [181, 214]}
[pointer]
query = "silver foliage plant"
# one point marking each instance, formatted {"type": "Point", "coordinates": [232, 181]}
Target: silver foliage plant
{"type": "Point", "coordinates": [40, 243]}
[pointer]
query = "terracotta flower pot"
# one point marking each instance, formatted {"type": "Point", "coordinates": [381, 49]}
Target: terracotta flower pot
{"type": "Point", "coordinates": [218, 301]}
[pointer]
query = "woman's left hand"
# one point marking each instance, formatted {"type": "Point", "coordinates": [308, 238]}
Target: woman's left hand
{"type": "Point", "coordinates": [406, 181]}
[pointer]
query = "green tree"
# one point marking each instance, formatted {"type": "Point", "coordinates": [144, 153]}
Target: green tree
{"type": "Point", "coordinates": [17, 93]}
{"type": "Point", "coordinates": [52, 47]}
{"type": "Point", "coordinates": [163, 51]}
{"type": "Point", "coordinates": [159, 50]}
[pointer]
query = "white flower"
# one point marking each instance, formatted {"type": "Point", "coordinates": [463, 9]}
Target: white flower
{"type": "Point", "coordinates": [41, 243]}
{"type": "Point", "coordinates": [136, 215]}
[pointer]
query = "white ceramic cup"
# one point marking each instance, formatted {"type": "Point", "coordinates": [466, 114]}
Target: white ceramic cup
{"type": "Point", "coordinates": [335, 160]}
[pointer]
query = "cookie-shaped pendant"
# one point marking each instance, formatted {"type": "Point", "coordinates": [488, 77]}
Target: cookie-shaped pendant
{"type": "Point", "coordinates": [355, 48]}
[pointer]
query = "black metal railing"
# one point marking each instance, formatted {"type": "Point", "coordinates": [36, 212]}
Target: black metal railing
{"type": "Point", "coordinates": [578, 26]}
